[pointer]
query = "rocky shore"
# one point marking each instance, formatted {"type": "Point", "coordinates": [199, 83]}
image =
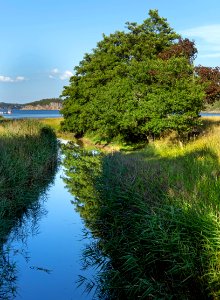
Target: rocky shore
{"type": "Point", "coordinates": [51, 106]}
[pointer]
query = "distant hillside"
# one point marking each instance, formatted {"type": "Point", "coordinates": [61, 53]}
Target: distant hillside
{"type": "Point", "coordinates": [45, 102]}
{"type": "Point", "coordinates": [4, 105]}
{"type": "Point", "coordinates": [50, 104]}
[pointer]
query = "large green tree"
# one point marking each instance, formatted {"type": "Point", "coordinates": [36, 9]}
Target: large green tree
{"type": "Point", "coordinates": [135, 84]}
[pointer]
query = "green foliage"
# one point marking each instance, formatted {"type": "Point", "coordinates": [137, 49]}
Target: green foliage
{"type": "Point", "coordinates": [83, 165]}
{"type": "Point", "coordinates": [155, 219]}
{"type": "Point", "coordinates": [127, 89]}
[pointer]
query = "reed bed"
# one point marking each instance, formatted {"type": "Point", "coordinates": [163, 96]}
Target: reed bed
{"type": "Point", "coordinates": [28, 164]}
{"type": "Point", "coordinates": [28, 151]}
{"type": "Point", "coordinates": [155, 216]}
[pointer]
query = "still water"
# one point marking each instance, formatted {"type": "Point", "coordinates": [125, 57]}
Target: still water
{"type": "Point", "coordinates": [207, 114]}
{"type": "Point", "coordinates": [19, 114]}
{"type": "Point", "coordinates": [45, 249]}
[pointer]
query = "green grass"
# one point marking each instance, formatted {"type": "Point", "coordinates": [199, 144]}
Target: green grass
{"type": "Point", "coordinates": [155, 214]}
{"type": "Point", "coordinates": [28, 150]}
{"type": "Point", "coordinates": [28, 163]}
{"type": "Point", "coordinates": [52, 122]}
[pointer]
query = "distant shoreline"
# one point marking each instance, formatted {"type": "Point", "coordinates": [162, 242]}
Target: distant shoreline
{"type": "Point", "coordinates": [211, 112]}
{"type": "Point", "coordinates": [35, 108]}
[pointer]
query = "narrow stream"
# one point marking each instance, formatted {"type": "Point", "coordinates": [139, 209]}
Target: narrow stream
{"type": "Point", "coordinates": [45, 250]}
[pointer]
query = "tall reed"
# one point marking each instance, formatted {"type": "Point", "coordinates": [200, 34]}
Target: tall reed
{"type": "Point", "coordinates": [28, 163]}
{"type": "Point", "coordinates": [28, 150]}
{"type": "Point", "coordinates": [155, 216]}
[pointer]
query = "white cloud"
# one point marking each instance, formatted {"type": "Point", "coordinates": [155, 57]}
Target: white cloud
{"type": "Point", "coordinates": [207, 40]}
{"type": "Point", "coordinates": [19, 78]}
{"type": "Point", "coordinates": [56, 74]}
{"type": "Point", "coordinates": [66, 75]}
{"type": "Point", "coordinates": [209, 33]}
{"type": "Point", "coordinates": [55, 71]}
{"type": "Point", "coordinates": [5, 79]}
{"type": "Point", "coordinates": [10, 79]}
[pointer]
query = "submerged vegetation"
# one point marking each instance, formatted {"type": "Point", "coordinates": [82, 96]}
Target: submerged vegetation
{"type": "Point", "coordinates": [27, 165]}
{"type": "Point", "coordinates": [155, 218]}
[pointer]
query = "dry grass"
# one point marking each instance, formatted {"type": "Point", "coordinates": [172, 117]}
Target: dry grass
{"type": "Point", "coordinates": [52, 122]}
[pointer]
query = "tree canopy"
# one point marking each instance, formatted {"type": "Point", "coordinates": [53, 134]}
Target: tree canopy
{"type": "Point", "coordinates": [135, 84]}
{"type": "Point", "coordinates": [211, 78]}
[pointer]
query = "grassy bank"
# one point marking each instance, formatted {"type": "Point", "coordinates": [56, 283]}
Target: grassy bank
{"type": "Point", "coordinates": [52, 122]}
{"type": "Point", "coordinates": [91, 141]}
{"type": "Point", "coordinates": [27, 162]}
{"type": "Point", "coordinates": [155, 216]}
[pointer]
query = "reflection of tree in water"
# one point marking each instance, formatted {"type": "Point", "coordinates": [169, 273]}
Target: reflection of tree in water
{"type": "Point", "coordinates": [20, 226]}
{"type": "Point", "coordinates": [81, 168]}
{"type": "Point", "coordinates": [7, 276]}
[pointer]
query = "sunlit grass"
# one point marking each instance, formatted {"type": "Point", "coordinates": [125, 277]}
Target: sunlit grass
{"type": "Point", "coordinates": [157, 215]}
{"type": "Point", "coordinates": [53, 122]}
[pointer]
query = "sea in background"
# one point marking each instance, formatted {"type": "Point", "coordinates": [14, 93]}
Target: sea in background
{"type": "Point", "coordinates": [23, 114]}
{"type": "Point", "coordinates": [209, 114]}
{"type": "Point", "coordinates": [39, 114]}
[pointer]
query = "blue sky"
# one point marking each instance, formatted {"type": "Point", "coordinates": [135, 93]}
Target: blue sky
{"type": "Point", "coordinates": [42, 40]}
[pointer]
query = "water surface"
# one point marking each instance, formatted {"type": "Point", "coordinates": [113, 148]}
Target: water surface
{"type": "Point", "coordinates": [46, 248]}
{"type": "Point", "coordinates": [209, 114]}
{"type": "Point", "coordinates": [19, 114]}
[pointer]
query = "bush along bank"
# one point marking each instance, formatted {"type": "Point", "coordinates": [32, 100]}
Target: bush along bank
{"type": "Point", "coordinates": [154, 215]}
